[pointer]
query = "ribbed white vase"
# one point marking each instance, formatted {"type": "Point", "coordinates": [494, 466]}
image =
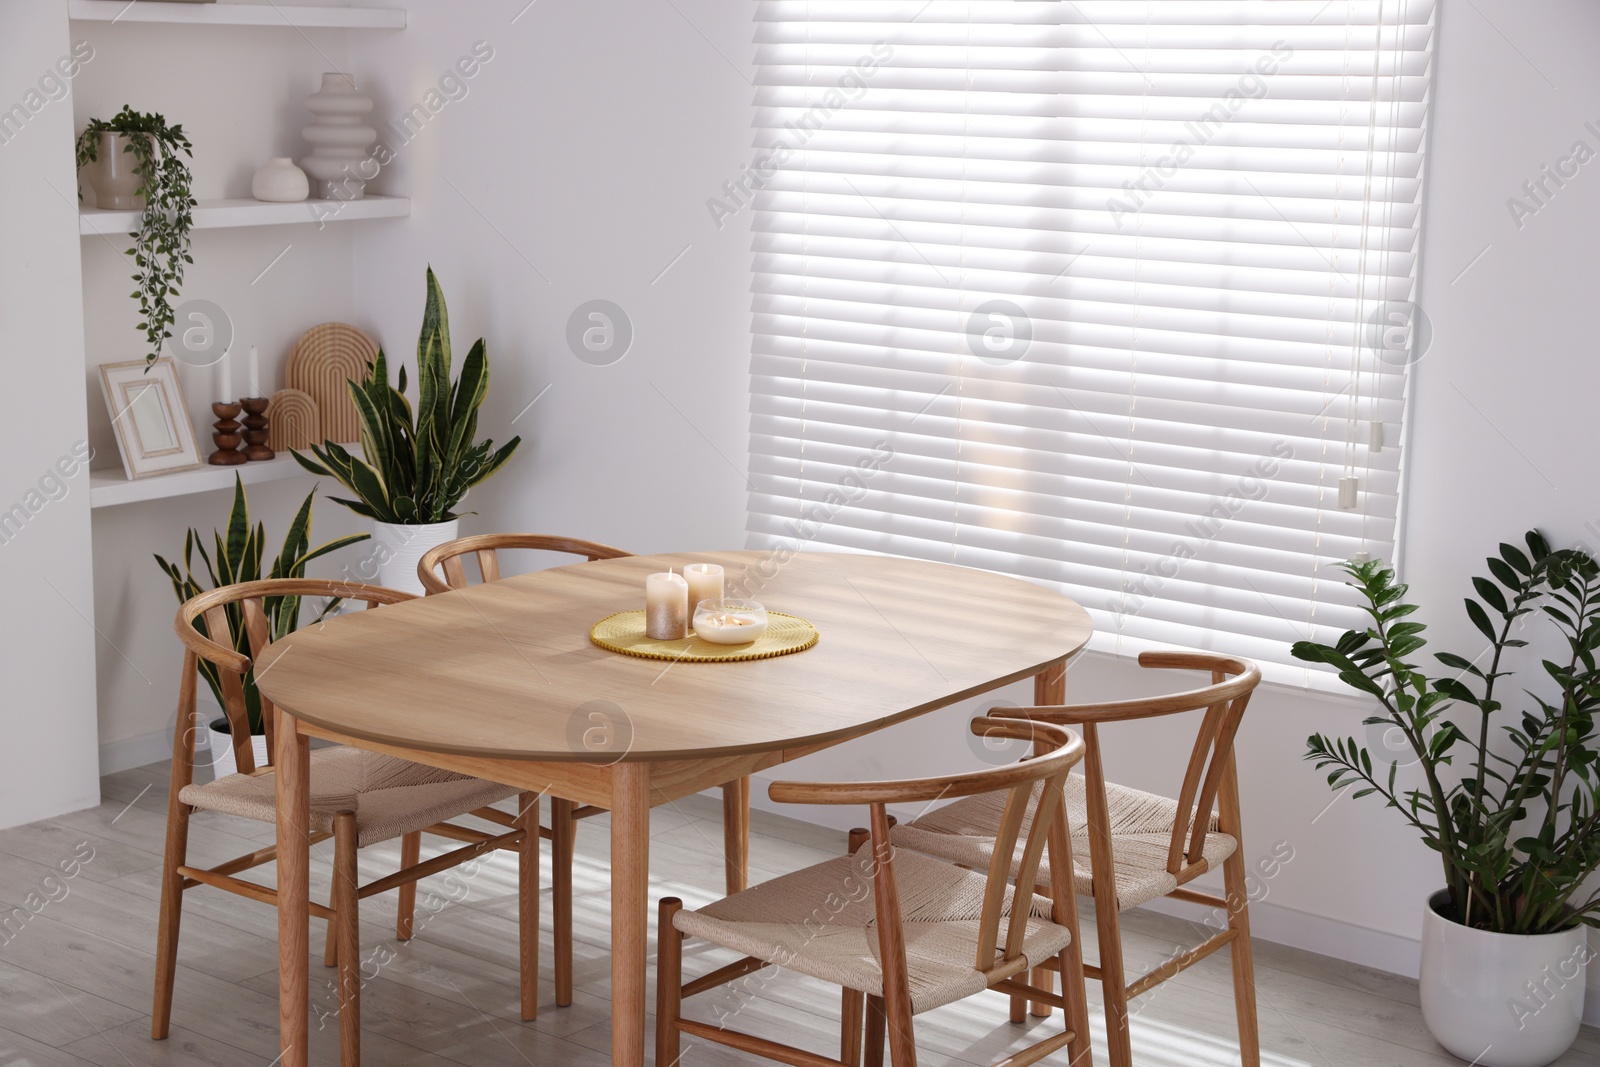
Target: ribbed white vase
{"type": "Point", "coordinates": [399, 548]}
{"type": "Point", "coordinates": [339, 139]}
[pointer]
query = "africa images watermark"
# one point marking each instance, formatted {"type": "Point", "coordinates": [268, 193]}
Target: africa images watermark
{"type": "Point", "coordinates": [1542, 188]}
{"type": "Point", "coordinates": [53, 85]}
{"type": "Point", "coordinates": [1252, 85]}
{"type": "Point", "coordinates": [851, 86]}
{"type": "Point", "coordinates": [52, 890]}
{"type": "Point", "coordinates": [52, 487]}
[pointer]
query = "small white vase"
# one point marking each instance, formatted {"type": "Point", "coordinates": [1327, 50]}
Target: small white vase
{"type": "Point", "coordinates": [1501, 1000]}
{"type": "Point", "coordinates": [279, 181]}
{"type": "Point", "coordinates": [399, 548]}
{"type": "Point", "coordinates": [340, 161]}
{"type": "Point", "coordinates": [221, 741]}
{"type": "Point", "coordinates": [111, 176]}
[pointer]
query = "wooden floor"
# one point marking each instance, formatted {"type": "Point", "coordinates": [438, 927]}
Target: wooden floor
{"type": "Point", "coordinates": [75, 976]}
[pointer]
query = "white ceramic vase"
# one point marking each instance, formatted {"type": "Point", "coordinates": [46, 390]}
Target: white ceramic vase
{"type": "Point", "coordinates": [111, 176]}
{"type": "Point", "coordinates": [340, 160]}
{"type": "Point", "coordinates": [279, 181]}
{"type": "Point", "coordinates": [221, 741]}
{"type": "Point", "coordinates": [399, 548]}
{"type": "Point", "coordinates": [1501, 1000]}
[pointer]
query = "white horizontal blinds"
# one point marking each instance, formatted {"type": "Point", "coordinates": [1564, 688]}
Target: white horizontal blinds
{"type": "Point", "coordinates": [1189, 212]}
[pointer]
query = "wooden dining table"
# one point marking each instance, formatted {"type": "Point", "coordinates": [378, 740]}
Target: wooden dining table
{"type": "Point", "coordinates": [501, 681]}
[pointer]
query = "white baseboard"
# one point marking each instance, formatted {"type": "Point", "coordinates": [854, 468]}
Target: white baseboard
{"type": "Point", "coordinates": [133, 752]}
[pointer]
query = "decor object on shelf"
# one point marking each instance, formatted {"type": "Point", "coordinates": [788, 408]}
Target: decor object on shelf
{"type": "Point", "coordinates": [1516, 828]}
{"type": "Point", "coordinates": [292, 421]}
{"type": "Point", "coordinates": [225, 435]}
{"type": "Point", "coordinates": [412, 474]}
{"type": "Point", "coordinates": [322, 363]}
{"type": "Point", "coordinates": [151, 420]}
{"type": "Point", "coordinates": [279, 181]}
{"type": "Point", "coordinates": [237, 557]}
{"type": "Point", "coordinates": [255, 428]}
{"type": "Point", "coordinates": [161, 244]}
{"type": "Point", "coordinates": [340, 160]}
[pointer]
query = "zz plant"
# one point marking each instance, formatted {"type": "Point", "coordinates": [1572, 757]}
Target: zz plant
{"type": "Point", "coordinates": [1517, 825]}
{"type": "Point", "coordinates": [415, 471]}
{"type": "Point", "coordinates": [237, 557]}
{"type": "Point", "coordinates": [161, 244]}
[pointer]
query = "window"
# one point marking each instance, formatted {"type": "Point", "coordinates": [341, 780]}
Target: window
{"type": "Point", "coordinates": [1110, 294]}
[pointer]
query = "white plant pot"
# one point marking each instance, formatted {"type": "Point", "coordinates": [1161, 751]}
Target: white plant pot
{"type": "Point", "coordinates": [399, 548]}
{"type": "Point", "coordinates": [221, 742]}
{"type": "Point", "coordinates": [1501, 1000]}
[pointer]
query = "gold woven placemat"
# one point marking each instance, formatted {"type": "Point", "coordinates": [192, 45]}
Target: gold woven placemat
{"type": "Point", "coordinates": [624, 632]}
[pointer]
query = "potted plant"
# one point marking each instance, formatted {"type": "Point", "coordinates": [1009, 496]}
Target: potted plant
{"type": "Point", "coordinates": [237, 557]}
{"type": "Point", "coordinates": [1517, 828]}
{"type": "Point", "coordinates": [133, 161]}
{"type": "Point", "coordinates": [413, 473]}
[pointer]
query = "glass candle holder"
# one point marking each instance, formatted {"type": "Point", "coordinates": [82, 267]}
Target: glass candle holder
{"type": "Point", "coordinates": [729, 622]}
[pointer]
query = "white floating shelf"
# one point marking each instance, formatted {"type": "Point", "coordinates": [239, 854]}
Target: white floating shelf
{"type": "Point", "coordinates": [211, 14]}
{"type": "Point", "coordinates": [223, 214]}
{"type": "Point", "coordinates": [109, 487]}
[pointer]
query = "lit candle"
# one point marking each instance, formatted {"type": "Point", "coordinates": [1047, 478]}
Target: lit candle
{"type": "Point", "coordinates": [225, 381]}
{"type": "Point", "coordinates": [255, 372]}
{"type": "Point", "coordinates": [666, 607]}
{"type": "Point", "coordinates": [730, 622]}
{"type": "Point", "coordinates": [705, 582]}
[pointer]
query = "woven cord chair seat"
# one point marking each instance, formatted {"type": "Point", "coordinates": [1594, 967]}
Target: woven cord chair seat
{"type": "Point", "coordinates": [1141, 833]}
{"type": "Point", "coordinates": [821, 921]}
{"type": "Point", "coordinates": [390, 797]}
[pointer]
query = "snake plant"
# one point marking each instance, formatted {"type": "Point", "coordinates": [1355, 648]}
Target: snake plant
{"type": "Point", "coordinates": [1518, 826]}
{"type": "Point", "coordinates": [415, 471]}
{"type": "Point", "coordinates": [236, 557]}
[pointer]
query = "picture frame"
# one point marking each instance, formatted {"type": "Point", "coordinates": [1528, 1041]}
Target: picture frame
{"type": "Point", "coordinates": [150, 417]}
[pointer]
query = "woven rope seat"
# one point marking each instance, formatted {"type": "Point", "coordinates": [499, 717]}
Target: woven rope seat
{"type": "Point", "coordinates": [1141, 833]}
{"type": "Point", "coordinates": [390, 797]}
{"type": "Point", "coordinates": [821, 921]}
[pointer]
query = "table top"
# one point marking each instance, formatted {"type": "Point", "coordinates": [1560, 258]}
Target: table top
{"type": "Point", "coordinates": [506, 670]}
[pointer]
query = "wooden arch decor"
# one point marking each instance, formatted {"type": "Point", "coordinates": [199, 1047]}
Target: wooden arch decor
{"type": "Point", "coordinates": [293, 421]}
{"type": "Point", "coordinates": [322, 361]}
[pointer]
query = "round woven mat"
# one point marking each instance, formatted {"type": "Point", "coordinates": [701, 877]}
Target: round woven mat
{"type": "Point", "coordinates": [624, 632]}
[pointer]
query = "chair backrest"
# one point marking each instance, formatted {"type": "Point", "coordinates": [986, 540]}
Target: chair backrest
{"type": "Point", "coordinates": [235, 615]}
{"type": "Point", "coordinates": [447, 557]}
{"type": "Point", "coordinates": [1210, 775]}
{"type": "Point", "coordinates": [999, 952]}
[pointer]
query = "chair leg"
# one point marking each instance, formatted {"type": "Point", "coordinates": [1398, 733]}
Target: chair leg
{"type": "Point", "coordinates": [1113, 983]}
{"type": "Point", "coordinates": [330, 948]}
{"type": "Point", "coordinates": [564, 831]}
{"type": "Point", "coordinates": [872, 1054]}
{"type": "Point", "coordinates": [669, 982]}
{"type": "Point", "coordinates": [345, 905]}
{"type": "Point", "coordinates": [1042, 978]}
{"type": "Point", "coordinates": [902, 1043]}
{"type": "Point", "coordinates": [528, 902]}
{"type": "Point", "coordinates": [177, 854]}
{"type": "Point", "coordinates": [1244, 979]}
{"type": "Point", "coordinates": [410, 855]}
{"type": "Point", "coordinates": [736, 834]}
{"type": "Point", "coordinates": [851, 1008]}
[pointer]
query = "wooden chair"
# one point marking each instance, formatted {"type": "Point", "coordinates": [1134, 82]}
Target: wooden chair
{"type": "Point", "coordinates": [1133, 847]}
{"type": "Point", "coordinates": [358, 798]}
{"type": "Point", "coordinates": [901, 933]}
{"type": "Point", "coordinates": [565, 814]}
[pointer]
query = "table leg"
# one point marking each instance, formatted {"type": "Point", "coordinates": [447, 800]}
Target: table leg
{"type": "Point", "coordinates": [1049, 689]}
{"type": "Point", "coordinates": [293, 775]}
{"type": "Point", "coordinates": [630, 909]}
{"type": "Point", "coordinates": [736, 833]}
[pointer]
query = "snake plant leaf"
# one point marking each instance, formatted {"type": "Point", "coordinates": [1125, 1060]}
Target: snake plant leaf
{"type": "Point", "coordinates": [369, 484]}
{"type": "Point", "coordinates": [297, 570]}
{"type": "Point", "coordinates": [360, 507]}
{"type": "Point", "coordinates": [495, 462]}
{"type": "Point", "coordinates": [405, 509]}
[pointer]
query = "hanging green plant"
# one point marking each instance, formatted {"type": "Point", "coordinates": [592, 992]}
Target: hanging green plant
{"type": "Point", "coordinates": [161, 244]}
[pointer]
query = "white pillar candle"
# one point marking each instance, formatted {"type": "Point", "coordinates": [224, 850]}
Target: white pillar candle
{"type": "Point", "coordinates": [255, 372]}
{"type": "Point", "coordinates": [225, 381]}
{"type": "Point", "coordinates": [666, 607]}
{"type": "Point", "coordinates": [705, 583]}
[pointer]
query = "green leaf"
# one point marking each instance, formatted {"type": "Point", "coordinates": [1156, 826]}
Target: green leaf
{"type": "Point", "coordinates": [1480, 619]}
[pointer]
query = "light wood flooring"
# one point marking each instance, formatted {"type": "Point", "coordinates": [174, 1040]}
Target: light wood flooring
{"type": "Point", "coordinates": [75, 979]}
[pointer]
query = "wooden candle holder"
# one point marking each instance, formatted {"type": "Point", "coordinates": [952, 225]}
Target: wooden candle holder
{"type": "Point", "coordinates": [225, 434]}
{"type": "Point", "coordinates": [255, 428]}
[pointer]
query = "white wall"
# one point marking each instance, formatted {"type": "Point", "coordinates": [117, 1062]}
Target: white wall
{"type": "Point", "coordinates": [47, 761]}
